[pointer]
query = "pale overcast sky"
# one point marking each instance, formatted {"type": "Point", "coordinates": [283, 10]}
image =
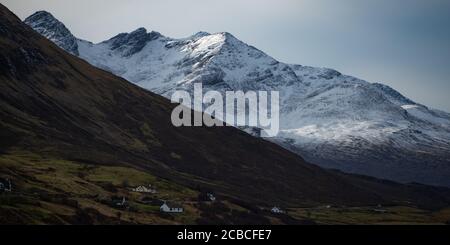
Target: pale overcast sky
{"type": "Point", "coordinates": [402, 43]}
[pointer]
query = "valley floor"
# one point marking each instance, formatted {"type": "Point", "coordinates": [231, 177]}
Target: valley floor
{"type": "Point", "coordinates": [49, 190]}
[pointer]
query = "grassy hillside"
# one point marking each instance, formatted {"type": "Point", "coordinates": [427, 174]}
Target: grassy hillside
{"type": "Point", "coordinates": [74, 136]}
{"type": "Point", "coordinates": [56, 191]}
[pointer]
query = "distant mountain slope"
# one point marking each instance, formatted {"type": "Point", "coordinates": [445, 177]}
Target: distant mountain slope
{"type": "Point", "coordinates": [55, 103]}
{"type": "Point", "coordinates": [334, 120]}
{"type": "Point", "coordinates": [59, 107]}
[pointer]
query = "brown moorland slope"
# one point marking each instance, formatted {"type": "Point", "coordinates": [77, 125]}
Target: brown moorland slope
{"type": "Point", "coordinates": [56, 105]}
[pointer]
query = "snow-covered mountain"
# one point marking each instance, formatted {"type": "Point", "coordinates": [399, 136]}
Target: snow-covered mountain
{"type": "Point", "coordinates": [333, 120]}
{"type": "Point", "coordinates": [44, 23]}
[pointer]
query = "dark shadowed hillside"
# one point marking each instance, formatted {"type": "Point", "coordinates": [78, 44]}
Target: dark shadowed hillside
{"type": "Point", "coordinates": [69, 131]}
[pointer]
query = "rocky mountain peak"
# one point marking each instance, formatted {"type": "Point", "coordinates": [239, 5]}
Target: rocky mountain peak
{"type": "Point", "coordinates": [40, 15]}
{"type": "Point", "coordinates": [200, 34]}
{"type": "Point", "coordinates": [133, 42]}
{"type": "Point", "coordinates": [48, 26]}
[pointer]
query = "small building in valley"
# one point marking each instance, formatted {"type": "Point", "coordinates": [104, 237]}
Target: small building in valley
{"type": "Point", "coordinates": [277, 210]}
{"type": "Point", "coordinates": [5, 185]}
{"type": "Point", "coordinates": [144, 189]}
{"type": "Point", "coordinates": [168, 207]}
{"type": "Point", "coordinates": [119, 202]}
{"type": "Point", "coordinates": [379, 209]}
{"type": "Point", "coordinates": [210, 197]}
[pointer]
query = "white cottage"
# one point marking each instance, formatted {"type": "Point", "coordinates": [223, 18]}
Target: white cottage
{"type": "Point", "coordinates": [144, 189]}
{"type": "Point", "coordinates": [277, 210]}
{"type": "Point", "coordinates": [171, 208]}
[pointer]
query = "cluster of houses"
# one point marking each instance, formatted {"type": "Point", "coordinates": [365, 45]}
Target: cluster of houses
{"type": "Point", "coordinates": [166, 207]}
{"type": "Point", "coordinates": [169, 207]}
{"type": "Point", "coordinates": [5, 185]}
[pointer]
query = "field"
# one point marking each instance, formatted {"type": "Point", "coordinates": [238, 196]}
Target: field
{"type": "Point", "coordinates": [48, 190]}
{"type": "Point", "coordinates": [57, 191]}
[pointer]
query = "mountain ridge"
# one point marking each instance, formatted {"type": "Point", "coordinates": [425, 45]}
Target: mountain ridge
{"type": "Point", "coordinates": [75, 136]}
{"type": "Point", "coordinates": [87, 115]}
{"type": "Point", "coordinates": [375, 129]}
